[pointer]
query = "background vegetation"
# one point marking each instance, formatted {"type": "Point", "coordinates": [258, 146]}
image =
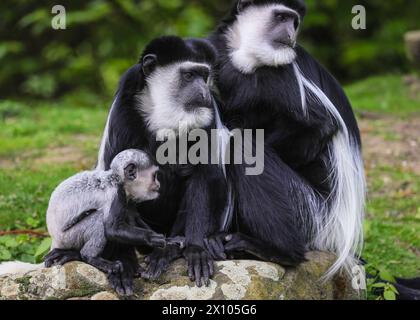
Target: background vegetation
{"type": "Point", "coordinates": [56, 88]}
{"type": "Point", "coordinates": [103, 38]}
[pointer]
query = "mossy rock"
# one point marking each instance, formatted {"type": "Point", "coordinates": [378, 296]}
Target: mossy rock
{"type": "Point", "coordinates": [233, 280]}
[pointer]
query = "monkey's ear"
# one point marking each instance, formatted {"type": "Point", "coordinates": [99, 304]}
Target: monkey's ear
{"type": "Point", "coordinates": [149, 64]}
{"type": "Point", "coordinates": [130, 172]}
{"type": "Point", "coordinates": [242, 4]}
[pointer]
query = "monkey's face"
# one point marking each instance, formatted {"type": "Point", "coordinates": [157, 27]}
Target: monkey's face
{"type": "Point", "coordinates": [177, 97]}
{"type": "Point", "coordinates": [141, 185]}
{"type": "Point", "coordinates": [263, 35]}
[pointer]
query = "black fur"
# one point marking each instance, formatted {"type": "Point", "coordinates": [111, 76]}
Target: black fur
{"type": "Point", "coordinates": [187, 203]}
{"type": "Point", "coordinates": [297, 161]}
{"type": "Point", "coordinates": [169, 50]}
{"type": "Point", "coordinates": [297, 5]}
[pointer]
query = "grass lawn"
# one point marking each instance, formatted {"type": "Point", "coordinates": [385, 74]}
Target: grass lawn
{"type": "Point", "coordinates": [42, 144]}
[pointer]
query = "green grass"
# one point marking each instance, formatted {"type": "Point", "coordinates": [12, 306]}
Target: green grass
{"type": "Point", "coordinates": [34, 158]}
{"type": "Point", "coordinates": [382, 94]}
{"type": "Point", "coordinates": [392, 225]}
{"type": "Point", "coordinates": [42, 144]}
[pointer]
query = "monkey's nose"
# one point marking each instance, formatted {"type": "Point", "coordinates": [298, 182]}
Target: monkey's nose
{"type": "Point", "coordinates": [155, 186]}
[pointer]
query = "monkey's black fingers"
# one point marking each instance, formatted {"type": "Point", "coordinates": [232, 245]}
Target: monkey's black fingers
{"type": "Point", "coordinates": [193, 256]}
{"type": "Point", "coordinates": [116, 267]}
{"type": "Point", "coordinates": [190, 268]}
{"type": "Point", "coordinates": [197, 269]}
{"type": "Point", "coordinates": [61, 257]}
{"type": "Point", "coordinates": [177, 241]}
{"type": "Point", "coordinates": [157, 240]}
{"type": "Point", "coordinates": [211, 267]}
{"type": "Point", "coordinates": [205, 268]}
{"type": "Point", "coordinates": [53, 256]}
{"type": "Point", "coordinates": [147, 259]}
{"type": "Point", "coordinates": [162, 266]}
{"type": "Point", "coordinates": [116, 283]}
{"type": "Point", "coordinates": [139, 271]}
{"type": "Point", "coordinates": [221, 246]}
{"type": "Point", "coordinates": [217, 248]}
{"type": "Point", "coordinates": [235, 243]}
{"type": "Point", "coordinates": [148, 274]}
{"type": "Point", "coordinates": [65, 259]}
{"type": "Point", "coordinates": [209, 248]}
{"type": "Point", "coordinates": [127, 283]}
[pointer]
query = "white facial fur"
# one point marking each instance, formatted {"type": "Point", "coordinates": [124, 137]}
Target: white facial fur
{"type": "Point", "coordinates": [145, 187]}
{"type": "Point", "coordinates": [248, 42]}
{"type": "Point", "coordinates": [161, 111]}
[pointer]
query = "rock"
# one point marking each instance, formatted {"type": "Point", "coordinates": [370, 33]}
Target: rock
{"type": "Point", "coordinates": [412, 42]}
{"type": "Point", "coordinates": [104, 296]}
{"type": "Point", "coordinates": [233, 280]}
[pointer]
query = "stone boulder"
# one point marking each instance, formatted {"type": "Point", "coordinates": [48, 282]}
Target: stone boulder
{"type": "Point", "coordinates": [412, 43]}
{"type": "Point", "coordinates": [233, 280]}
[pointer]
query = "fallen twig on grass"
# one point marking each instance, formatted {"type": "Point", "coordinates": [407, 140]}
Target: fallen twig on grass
{"type": "Point", "coordinates": [27, 232]}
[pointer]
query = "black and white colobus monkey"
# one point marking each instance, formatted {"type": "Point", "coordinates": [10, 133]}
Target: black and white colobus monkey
{"type": "Point", "coordinates": [169, 90]}
{"type": "Point", "coordinates": [312, 192]}
{"type": "Point", "coordinates": [90, 209]}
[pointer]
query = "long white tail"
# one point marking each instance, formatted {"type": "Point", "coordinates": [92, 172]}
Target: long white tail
{"type": "Point", "coordinates": [224, 136]}
{"type": "Point", "coordinates": [342, 231]}
{"type": "Point", "coordinates": [101, 155]}
{"type": "Point", "coordinates": [17, 267]}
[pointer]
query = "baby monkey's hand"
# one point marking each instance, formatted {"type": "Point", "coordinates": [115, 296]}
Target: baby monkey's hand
{"type": "Point", "coordinates": [156, 240]}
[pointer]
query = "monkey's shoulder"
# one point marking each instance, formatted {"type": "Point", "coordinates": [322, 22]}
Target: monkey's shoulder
{"type": "Point", "coordinates": [87, 182]}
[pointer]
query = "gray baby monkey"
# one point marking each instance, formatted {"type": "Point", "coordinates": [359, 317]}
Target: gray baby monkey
{"type": "Point", "coordinates": [90, 208]}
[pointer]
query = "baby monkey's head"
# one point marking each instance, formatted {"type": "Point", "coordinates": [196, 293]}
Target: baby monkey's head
{"type": "Point", "coordinates": [138, 175]}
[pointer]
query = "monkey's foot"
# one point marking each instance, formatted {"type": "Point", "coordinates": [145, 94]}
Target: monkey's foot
{"type": "Point", "coordinates": [116, 267]}
{"type": "Point", "coordinates": [159, 260]}
{"type": "Point", "coordinates": [60, 257]}
{"type": "Point", "coordinates": [122, 283]}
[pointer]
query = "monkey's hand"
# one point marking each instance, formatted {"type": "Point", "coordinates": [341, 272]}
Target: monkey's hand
{"type": "Point", "coordinates": [215, 245]}
{"type": "Point", "coordinates": [155, 240]}
{"type": "Point", "coordinates": [159, 261]}
{"type": "Point", "coordinates": [200, 264]}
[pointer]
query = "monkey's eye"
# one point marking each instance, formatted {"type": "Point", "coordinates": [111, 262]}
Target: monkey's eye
{"type": "Point", "coordinates": [206, 75]}
{"type": "Point", "coordinates": [282, 17]}
{"type": "Point", "coordinates": [188, 76]}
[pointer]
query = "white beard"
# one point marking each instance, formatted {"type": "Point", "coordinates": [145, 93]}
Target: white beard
{"type": "Point", "coordinates": [157, 104]}
{"type": "Point", "coordinates": [246, 39]}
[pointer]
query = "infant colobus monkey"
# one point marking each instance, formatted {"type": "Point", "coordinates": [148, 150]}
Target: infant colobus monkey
{"type": "Point", "coordinates": [85, 213]}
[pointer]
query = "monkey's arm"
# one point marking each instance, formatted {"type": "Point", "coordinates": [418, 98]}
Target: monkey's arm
{"type": "Point", "coordinates": [160, 259]}
{"type": "Point", "coordinates": [306, 142]}
{"type": "Point", "coordinates": [204, 202]}
{"type": "Point", "coordinates": [118, 230]}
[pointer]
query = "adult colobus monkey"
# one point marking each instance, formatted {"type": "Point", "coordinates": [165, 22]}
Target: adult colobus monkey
{"type": "Point", "coordinates": [312, 192]}
{"type": "Point", "coordinates": [169, 90]}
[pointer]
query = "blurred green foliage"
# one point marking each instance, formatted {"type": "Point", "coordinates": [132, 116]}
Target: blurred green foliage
{"type": "Point", "coordinates": [103, 38]}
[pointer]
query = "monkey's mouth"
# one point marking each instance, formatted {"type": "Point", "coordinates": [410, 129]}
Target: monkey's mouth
{"type": "Point", "coordinates": [195, 106]}
{"type": "Point", "coordinates": [283, 43]}
{"type": "Point", "coordinates": [153, 195]}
